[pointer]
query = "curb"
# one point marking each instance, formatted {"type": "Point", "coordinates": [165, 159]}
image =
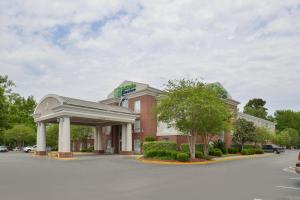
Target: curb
{"type": "Point", "coordinates": [52, 157]}
{"type": "Point", "coordinates": [142, 160]}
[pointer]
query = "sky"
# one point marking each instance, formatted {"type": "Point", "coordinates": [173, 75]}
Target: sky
{"type": "Point", "coordinates": [84, 49]}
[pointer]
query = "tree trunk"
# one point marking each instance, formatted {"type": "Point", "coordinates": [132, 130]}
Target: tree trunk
{"type": "Point", "coordinates": [192, 148]}
{"type": "Point", "coordinates": [205, 149]}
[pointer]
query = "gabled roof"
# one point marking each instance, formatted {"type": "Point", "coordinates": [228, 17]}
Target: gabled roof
{"type": "Point", "coordinates": [86, 104]}
{"type": "Point", "coordinates": [94, 105]}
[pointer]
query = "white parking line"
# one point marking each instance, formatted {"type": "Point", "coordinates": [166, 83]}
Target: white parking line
{"type": "Point", "coordinates": [257, 199]}
{"type": "Point", "coordinates": [290, 170]}
{"type": "Point", "coordinates": [285, 187]}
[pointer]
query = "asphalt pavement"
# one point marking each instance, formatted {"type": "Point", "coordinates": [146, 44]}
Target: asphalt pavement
{"type": "Point", "coordinates": [111, 177]}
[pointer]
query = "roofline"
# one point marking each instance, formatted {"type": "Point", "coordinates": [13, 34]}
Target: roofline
{"type": "Point", "coordinates": [57, 97]}
{"type": "Point", "coordinates": [257, 117]}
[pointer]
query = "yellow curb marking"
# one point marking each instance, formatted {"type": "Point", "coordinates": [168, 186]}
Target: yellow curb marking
{"type": "Point", "coordinates": [142, 160]}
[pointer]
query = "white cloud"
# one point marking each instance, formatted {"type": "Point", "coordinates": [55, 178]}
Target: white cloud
{"type": "Point", "coordinates": [85, 48]}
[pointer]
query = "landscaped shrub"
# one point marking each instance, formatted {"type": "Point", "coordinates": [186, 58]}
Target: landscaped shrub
{"type": "Point", "coordinates": [150, 154]}
{"type": "Point", "coordinates": [185, 147]}
{"type": "Point", "coordinates": [215, 152]}
{"type": "Point", "coordinates": [259, 151]}
{"type": "Point", "coordinates": [163, 155]}
{"type": "Point", "coordinates": [90, 149]}
{"type": "Point", "coordinates": [149, 139]}
{"type": "Point", "coordinates": [220, 145]}
{"type": "Point", "coordinates": [182, 157]}
{"type": "Point", "coordinates": [251, 146]}
{"type": "Point", "coordinates": [233, 150]}
{"type": "Point", "coordinates": [159, 146]}
{"type": "Point", "coordinates": [251, 151]}
{"type": "Point", "coordinates": [199, 154]}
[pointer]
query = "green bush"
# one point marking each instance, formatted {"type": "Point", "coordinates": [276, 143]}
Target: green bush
{"type": "Point", "coordinates": [185, 147]}
{"type": "Point", "coordinates": [90, 149]}
{"type": "Point", "coordinates": [199, 154]}
{"type": "Point", "coordinates": [149, 139]}
{"type": "Point", "coordinates": [259, 151]}
{"type": "Point", "coordinates": [251, 151]}
{"type": "Point", "coordinates": [233, 150]}
{"type": "Point", "coordinates": [182, 157]}
{"type": "Point", "coordinates": [159, 146]}
{"type": "Point", "coordinates": [163, 155]}
{"type": "Point", "coordinates": [251, 146]}
{"type": "Point", "coordinates": [219, 144]}
{"type": "Point", "coordinates": [215, 152]}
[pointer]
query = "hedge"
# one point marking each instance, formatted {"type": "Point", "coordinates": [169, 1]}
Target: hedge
{"type": "Point", "coordinates": [233, 150]}
{"type": "Point", "coordinates": [149, 139]}
{"type": "Point", "coordinates": [199, 154]}
{"type": "Point", "coordinates": [182, 157]}
{"type": "Point", "coordinates": [215, 152]}
{"type": "Point", "coordinates": [159, 146]}
{"type": "Point", "coordinates": [251, 146]}
{"type": "Point", "coordinates": [185, 147]}
{"type": "Point", "coordinates": [161, 154]}
{"type": "Point", "coordinates": [251, 151]}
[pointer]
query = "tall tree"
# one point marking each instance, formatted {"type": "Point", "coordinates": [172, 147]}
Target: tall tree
{"type": "Point", "coordinates": [20, 135]}
{"type": "Point", "coordinates": [244, 132]}
{"type": "Point", "coordinates": [5, 90]}
{"type": "Point", "coordinates": [21, 109]}
{"type": "Point", "coordinates": [262, 135]}
{"type": "Point", "coordinates": [81, 133]}
{"type": "Point", "coordinates": [287, 119]}
{"type": "Point", "coordinates": [194, 109]}
{"type": "Point", "coordinates": [256, 107]}
{"type": "Point", "coordinates": [52, 136]}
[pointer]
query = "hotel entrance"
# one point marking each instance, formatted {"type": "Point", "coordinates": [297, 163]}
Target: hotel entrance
{"type": "Point", "coordinates": [115, 137]}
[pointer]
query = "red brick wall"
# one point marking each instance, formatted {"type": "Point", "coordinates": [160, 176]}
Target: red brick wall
{"type": "Point", "coordinates": [146, 115]}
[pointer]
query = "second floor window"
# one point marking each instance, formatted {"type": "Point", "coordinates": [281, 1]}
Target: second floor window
{"type": "Point", "coordinates": [137, 106]}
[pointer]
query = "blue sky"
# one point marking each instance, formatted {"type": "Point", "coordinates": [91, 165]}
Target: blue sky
{"type": "Point", "coordinates": [84, 49]}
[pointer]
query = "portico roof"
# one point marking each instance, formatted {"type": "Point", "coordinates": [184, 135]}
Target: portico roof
{"type": "Point", "coordinates": [54, 106]}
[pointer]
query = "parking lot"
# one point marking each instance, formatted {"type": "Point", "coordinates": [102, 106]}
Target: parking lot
{"type": "Point", "coordinates": [113, 177]}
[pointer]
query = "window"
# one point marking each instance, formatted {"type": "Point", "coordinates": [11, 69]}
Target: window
{"type": "Point", "coordinates": [137, 126]}
{"type": "Point", "coordinates": [137, 146]}
{"type": "Point", "coordinates": [137, 106]}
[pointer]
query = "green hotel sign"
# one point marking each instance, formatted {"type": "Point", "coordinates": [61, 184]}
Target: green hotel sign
{"type": "Point", "coordinates": [124, 89]}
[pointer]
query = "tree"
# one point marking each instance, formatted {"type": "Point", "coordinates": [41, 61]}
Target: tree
{"type": "Point", "coordinates": [244, 132]}
{"type": "Point", "coordinates": [19, 135]}
{"type": "Point", "coordinates": [262, 135]}
{"type": "Point", "coordinates": [287, 119]}
{"type": "Point", "coordinates": [293, 139]}
{"type": "Point", "coordinates": [255, 107]}
{"type": "Point", "coordinates": [219, 89]}
{"type": "Point", "coordinates": [282, 139]}
{"type": "Point", "coordinates": [52, 136]}
{"type": "Point", "coordinates": [21, 109]}
{"type": "Point", "coordinates": [194, 109]}
{"type": "Point", "coordinates": [82, 133]}
{"type": "Point", "coordinates": [5, 90]}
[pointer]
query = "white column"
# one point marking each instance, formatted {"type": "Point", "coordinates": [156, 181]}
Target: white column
{"type": "Point", "coordinates": [99, 138]}
{"type": "Point", "coordinates": [124, 136]}
{"type": "Point", "coordinates": [129, 138]}
{"type": "Point", "coordinates": [66, 135]}
{"type": "Point", "coordinates": [96, 138]}
{"type": "Point", "coordinates": [41, 137]}
{"type": "Point", "coordinates": [60, 134]}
